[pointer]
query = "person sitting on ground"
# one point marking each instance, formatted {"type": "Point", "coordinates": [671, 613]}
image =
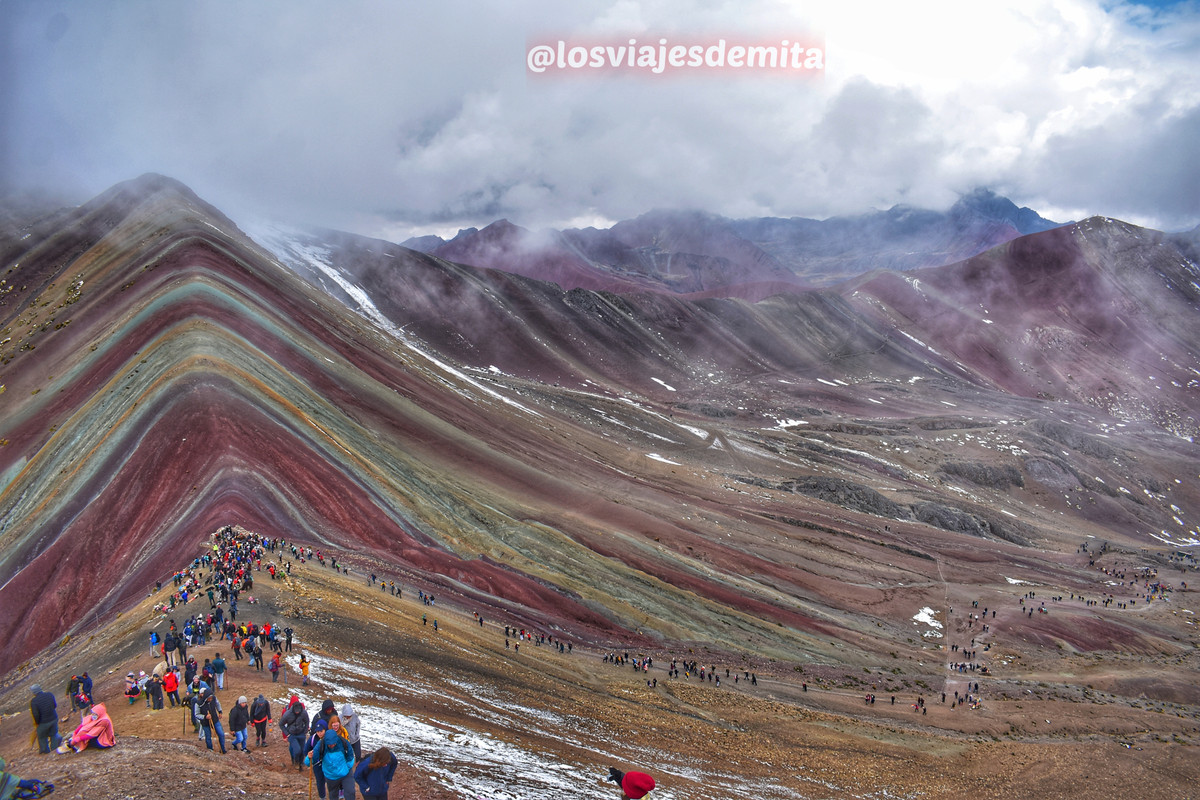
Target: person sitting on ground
{"type": "Point", "coordinates": [96, 729]}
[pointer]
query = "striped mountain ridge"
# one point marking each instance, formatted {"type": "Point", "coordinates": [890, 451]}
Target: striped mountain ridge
{"type": "Point", "coordinates": [628, 468]}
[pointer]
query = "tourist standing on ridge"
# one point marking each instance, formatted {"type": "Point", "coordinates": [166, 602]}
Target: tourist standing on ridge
{"type": "Point", "coordinates": [154, 690]}
{"type": "Point", "coordinates": [171, 685]}
{"type": "Point", "coordinates": [218, 670]}
{"type": "Point", "coordinates": [45, 718]}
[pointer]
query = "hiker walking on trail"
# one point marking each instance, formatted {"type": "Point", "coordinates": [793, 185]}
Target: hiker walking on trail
{"type": "Point", "coordinates": [209, 712]}
{"type": "Point", "coordinates": [169, 646]}
{"type": "Point", "coordinates": [373, 775]}
{"type": "Point", "coordinates": [260, 715]}
{"type": "Point", "coordinates": [239, 720]}
{"type": "Point", "coordinates": [324, 715]}
{"type": "Point", "coordinates": [351, 722]}
{"type": "Point", "coordinates": [313, 761]}
{"type": "Point", "coordinates": [294, 724]}
{"type": "Point", "coordinates": [336, 758]}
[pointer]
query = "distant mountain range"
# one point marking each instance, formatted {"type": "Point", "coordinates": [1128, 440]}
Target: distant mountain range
{"type": "Point", "coordinates": [698, 254]}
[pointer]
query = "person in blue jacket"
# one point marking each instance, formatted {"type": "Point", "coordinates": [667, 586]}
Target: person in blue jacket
{"type": "Point", "coordinates": [374, 774]}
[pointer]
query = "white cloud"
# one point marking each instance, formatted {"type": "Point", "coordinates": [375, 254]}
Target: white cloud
{"type": "Point", "coordinates": [389, 117]}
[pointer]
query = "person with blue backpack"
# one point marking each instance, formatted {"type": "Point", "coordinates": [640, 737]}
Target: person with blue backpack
{"type": "Point", "coordinates": [336, 758]}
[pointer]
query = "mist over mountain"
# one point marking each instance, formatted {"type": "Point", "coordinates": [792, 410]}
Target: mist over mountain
{"type": "Point", "coordinates": [656, 463]}
{"type": "Point", "coordinates": [691, 252]}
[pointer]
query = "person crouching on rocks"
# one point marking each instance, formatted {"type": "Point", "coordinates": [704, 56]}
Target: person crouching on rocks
{"type": "Point", "coordinates": [634, 785]}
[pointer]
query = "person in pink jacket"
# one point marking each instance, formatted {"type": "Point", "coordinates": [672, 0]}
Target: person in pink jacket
{"type": "Point", "coordinates": [96, 728]}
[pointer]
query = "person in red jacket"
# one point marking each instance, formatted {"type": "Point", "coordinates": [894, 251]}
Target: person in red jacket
{"type": "Point", "coordinates": [170, 685]}
{"type": "Point", "coordinates": [634, 785]}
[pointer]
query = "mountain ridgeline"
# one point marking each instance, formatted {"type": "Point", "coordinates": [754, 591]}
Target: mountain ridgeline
{"type": "Point", "coordinates": [670, 462]}
{"type": "Point", "coordinates": [706, 255]}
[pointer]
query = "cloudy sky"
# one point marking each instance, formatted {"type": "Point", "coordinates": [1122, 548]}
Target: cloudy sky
{"type": "Point", "coordinates": [390, 118]}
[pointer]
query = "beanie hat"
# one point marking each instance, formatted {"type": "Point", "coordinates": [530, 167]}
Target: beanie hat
{"type": "Point", "coordinates": [241, 699]}
{"type": "Point", "coordinates": [36, 688]}
{"type": "Point", "coordinates": [636, 785]}
{"type": "Point", "coordinates": [320, 725]}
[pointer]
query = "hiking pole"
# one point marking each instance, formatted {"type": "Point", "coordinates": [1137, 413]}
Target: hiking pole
{"type": "Point", "coordinates": [310, 784]}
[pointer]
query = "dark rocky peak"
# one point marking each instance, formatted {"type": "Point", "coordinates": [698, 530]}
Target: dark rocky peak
{"type": "Point", "coordinates": [985, 205]}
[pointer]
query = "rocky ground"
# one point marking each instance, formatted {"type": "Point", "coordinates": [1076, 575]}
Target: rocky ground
{"type": "Point", "coordinates": [470, 718]}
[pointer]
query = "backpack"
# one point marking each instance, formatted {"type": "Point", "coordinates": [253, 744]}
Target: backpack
{"type": "Point", "coordinates": [334, 763]}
